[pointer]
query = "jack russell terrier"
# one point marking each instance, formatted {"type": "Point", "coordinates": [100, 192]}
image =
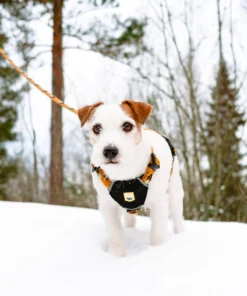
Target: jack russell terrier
{"type": "Point", "coordinates": [132, 167]}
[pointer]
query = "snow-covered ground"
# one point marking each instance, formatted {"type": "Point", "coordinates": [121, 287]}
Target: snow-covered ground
{"type": "Point", "coordinates": [61, 251]}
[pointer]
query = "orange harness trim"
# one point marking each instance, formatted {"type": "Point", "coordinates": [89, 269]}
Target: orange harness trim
{"type": "Point", "coordinates": [173, 150]}
{"type": "Point", "coordinates": [131, 194]}
{"type": "Point", "coordinates": [153, 164]}
{"type": "Point", "coordinates": [129, 200]}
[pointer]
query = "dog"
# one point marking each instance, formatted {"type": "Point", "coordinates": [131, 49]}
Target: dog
{"type": "Point", "coordinates": [121, 151]}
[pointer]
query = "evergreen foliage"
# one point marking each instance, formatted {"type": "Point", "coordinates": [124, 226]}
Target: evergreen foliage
{"type": "Point", "coordinates": [225, 108]}
{"type": "Point", "coordinates": [127, 43]}
{"type": "Point", "coordinates": [9, 99]}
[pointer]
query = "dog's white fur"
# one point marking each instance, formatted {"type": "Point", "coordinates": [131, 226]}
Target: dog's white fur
{"type": "Point", "coordinates": [134, 154]}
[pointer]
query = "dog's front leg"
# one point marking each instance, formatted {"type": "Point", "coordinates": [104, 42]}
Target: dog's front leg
{"type": "Point", "coordinates": [159, 217]}
{"type": "Point", "coordinates": [111, 215]}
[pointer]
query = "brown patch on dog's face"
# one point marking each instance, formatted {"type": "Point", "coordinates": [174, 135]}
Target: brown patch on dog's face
{"type": "Point", "coordinates": [138, 111]}
{"type": "Point", "coordinates": [86, 112]}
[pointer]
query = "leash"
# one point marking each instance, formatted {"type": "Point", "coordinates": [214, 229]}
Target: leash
{"type": "Point", "coordinates": [142, 182]}
{"type": "Point", "coordinates": [49, 95]}
{"type": "Point", "coordinates": [62, 104]}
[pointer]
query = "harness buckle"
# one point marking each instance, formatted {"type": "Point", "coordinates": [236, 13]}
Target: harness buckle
{"type": "Point", "coordinates": [132, 212]}
{"type": "Point", "coordinates": [95, 169]}
{"type": "Point", "coordinates": [154, 166]}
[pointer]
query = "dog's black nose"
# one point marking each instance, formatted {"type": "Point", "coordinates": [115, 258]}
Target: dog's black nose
{"type": "Point", "coordinates": [110, 152]}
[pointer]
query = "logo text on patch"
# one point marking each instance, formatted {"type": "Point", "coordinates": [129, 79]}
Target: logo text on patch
{"type": "Point", "coordinates": [129, 196]}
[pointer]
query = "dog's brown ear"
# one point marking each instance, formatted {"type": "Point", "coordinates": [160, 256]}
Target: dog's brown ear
{"type": "Point", "coordinates": [86, 112]}
{"type": "Point", "coordinates": [139, 111]}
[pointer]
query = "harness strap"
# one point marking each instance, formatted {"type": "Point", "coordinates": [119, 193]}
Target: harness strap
{"type": "Point", "coordinates": [173, 151]}
{"type": "Point", "coordinates": [146, 178]}
{"type": "Point", "coordinates": [133, 211]}
{"type": "Point", "coordinates": [153, 165]}
{"type": "Point", "coordinates": [102, 176]}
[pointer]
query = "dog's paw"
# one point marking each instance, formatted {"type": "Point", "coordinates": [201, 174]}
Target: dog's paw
{"type": "Point", "coordinates": [157, 240]}
{"type": "Point", "coordinates": [178, 228]}
{"type": "Point", "coordinates": [117, 250]}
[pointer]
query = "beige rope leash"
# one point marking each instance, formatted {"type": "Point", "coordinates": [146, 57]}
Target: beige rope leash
{"type": "Point", "coordinates": [52, 97]}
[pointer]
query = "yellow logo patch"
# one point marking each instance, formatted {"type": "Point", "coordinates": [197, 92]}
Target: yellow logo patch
{"type": "Point", "coordinates": [129, 196]}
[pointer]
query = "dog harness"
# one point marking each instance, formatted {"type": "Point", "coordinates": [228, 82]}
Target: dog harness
{"type": "Point", "coordinates": [131, 194]}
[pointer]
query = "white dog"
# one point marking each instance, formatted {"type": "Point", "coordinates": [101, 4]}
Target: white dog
{"type": "Point", "coordinates": [122, 150]}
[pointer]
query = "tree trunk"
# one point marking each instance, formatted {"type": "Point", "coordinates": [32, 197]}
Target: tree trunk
{"type": "Point", "coordinates": [56, 160]}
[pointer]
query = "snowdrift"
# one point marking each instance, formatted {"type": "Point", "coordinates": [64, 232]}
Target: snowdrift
{"type": "Point", "coordinates": [61, 251]}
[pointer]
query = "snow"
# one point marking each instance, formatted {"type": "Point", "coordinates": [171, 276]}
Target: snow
{"type": "Point", "coordinates": [52, 250]}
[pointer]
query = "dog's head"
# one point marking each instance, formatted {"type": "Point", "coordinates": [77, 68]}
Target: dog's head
{"type": "Point", "coordinates": [115, 131]}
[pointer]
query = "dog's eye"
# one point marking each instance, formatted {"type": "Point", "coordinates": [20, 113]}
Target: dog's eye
{"type": "Point", "coordinates": [127, 127]}
{"type": "Point", "coordinates": [97, 129]}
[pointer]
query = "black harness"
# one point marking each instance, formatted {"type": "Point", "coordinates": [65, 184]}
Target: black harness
{"type": "Point", "coordinates": [131, 194]}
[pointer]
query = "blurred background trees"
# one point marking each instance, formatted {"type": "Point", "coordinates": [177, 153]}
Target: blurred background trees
{"type": "Point", "coordinates": [156, 54]}
{"type": "Point", "coordinates": [8, 114]}
{"type": "Point", "coordinates": [11, 92]}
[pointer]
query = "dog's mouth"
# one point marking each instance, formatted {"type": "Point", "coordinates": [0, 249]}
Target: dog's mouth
{"type": "Point", "coordinates": [111, 162]}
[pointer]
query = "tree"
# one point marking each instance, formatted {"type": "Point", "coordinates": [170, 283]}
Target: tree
{"type": "Point", "coordinates": [230, 120]}
{"type": "Point", "coordinates": [223, 123]}
{"type": "Point", "coordinates": [17, 15]}
{"type": "Point", "coordinates": [175, 77]}
{"type": "Point", "coordinates": [110, 42]}
{"type": "Point", "coordinates": [56, 159]}
{"type": "Point", "coordinates": [171, 73]}
{"type": "Point", "coordinates": [10, 96]}
{"type": "Point", "coordinates": [114, 47]}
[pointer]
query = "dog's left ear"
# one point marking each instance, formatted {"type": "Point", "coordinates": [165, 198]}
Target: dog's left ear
{"type": "Point", "coordinates": [86, 112]}
{"type": "Point", "coordinates": [139, 111]}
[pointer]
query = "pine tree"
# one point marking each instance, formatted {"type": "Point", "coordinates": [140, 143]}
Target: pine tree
{"type": "Point", "coordinates": [225, 109]}
{"type": "Point", "coordinates": [9, 98]}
